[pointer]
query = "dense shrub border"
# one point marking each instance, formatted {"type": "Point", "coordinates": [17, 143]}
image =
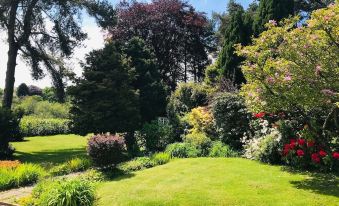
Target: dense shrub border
{"type": "Point", "coordinates": [36, 126]}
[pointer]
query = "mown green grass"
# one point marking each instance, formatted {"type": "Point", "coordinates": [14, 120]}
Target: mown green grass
{"type": "Point", "coordinates": [206, 181]}
{"type": "Point", "coordinates": [50, 149]}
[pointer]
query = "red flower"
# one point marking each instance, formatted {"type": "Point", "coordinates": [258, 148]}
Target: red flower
{"type": "Point", "coordinates": [315, 158]}
{"type": "Point", "coordinates": [310, 143]}
{"type": "Point", "coordinates": [300, 153]}
{"type": "Point", "coordinates": [286, 149]}
{"type": "Point", "coordinates": [260, 115]}
{"type": "Point", "coordinates": [335, 155]}
{"type": "Point", "coordinates": [322, 153]}
{"type": "Point", "coordinates": [292, 143]}
{"type": "Point", "coordinates": [301, 142]}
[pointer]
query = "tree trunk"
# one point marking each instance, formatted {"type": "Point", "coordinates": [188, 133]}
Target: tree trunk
{"type": "Point", "coordinates": [10, 76]}
{"type": "Point", "coordinates": [12, 55]}
{"type": "Point", "coordinates": [131, 143]}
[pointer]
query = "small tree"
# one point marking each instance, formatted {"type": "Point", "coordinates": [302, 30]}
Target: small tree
{"type": "Point", "coordinates": [104, 99]}
{"type": "Point", "coordinates": [22, 90]}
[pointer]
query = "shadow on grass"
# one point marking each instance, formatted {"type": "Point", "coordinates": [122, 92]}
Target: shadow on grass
{"type": "Point", "coordinates": [320, 183]}
{"type": "Point", "coordinates": [115, 174]}
{"type": "Point", "coordinates": [50, 156]}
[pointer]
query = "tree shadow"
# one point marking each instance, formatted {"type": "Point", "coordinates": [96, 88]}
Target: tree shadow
{"type": "Point", "coordinates": [115, 174]}
{"type": "Point", "coordinates": [321, 183]}
{"type": "Point", "coordinates": [50, 156]}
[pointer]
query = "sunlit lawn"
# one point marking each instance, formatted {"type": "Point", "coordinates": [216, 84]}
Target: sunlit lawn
{"type": "Point", "coordinates": [54, 149]}
{"type": "Point", "coordinates": [206, 181]}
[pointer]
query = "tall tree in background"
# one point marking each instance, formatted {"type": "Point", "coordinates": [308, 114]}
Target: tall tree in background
{"type": "Point", "coordinates": [307, 6]}
{"type": "Point", "coordinates": [177, 33]}
{"type": "Point", "coordinates": [235, 32]}
{"type": "Point", "coordinates": [272, 10]}
{"type": "Point", "coordinates": [44, 33]}
{"type": "Point", "coordinates": [148, 81]}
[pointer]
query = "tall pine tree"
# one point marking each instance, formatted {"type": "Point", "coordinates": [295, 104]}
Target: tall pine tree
{"type": "Point", "coordinates": [272, 10]}
{"type": "Point", "coordinates": [235, 32]}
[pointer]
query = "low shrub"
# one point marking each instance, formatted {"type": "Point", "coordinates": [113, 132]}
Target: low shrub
{"type": "Point", "coordinates": [71, 192]}
{"type": "Point", "coordinates": [264, 146]}
{"type": "Point", "coordinates": [35, 126]}
{"type": "Point", "coordinates": [9, 130]}
{"type": "Point", "coordinates": [136, 164]}
{"type": "Point", "coordinates": [22, 175]}
{"type": "Point", "coordinates": [93, 176]}
{"type": "Point", "coordinates": [106, 149]}
{"type": "Point", "coordinates": [218, 149]}
{"type": "Point", "coordinates": [199, 140]}
{"type": "Point", "coordinates": [200, 120]}
{"type": "Point", "coordinates": [182, 150]}
{"type": "Point", "coordinates": [73, 165]}
{"type": "Point", "coordinates": [161, 158]}
{"type": "Point", "coordinates": [156, 135]}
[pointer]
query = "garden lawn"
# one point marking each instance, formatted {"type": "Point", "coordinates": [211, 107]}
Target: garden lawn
{"type": "Point", "coordinates": [206, 181]}
{"type": "Point", "coordinates": [53, 149]}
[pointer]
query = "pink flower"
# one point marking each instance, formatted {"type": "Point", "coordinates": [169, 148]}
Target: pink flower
{"type": "Point", "coordinates": [327, 92]}
{"type": "Point", "coordinates": [317, 70]}
{"type": "Point", "coordinates": [273, 22]}
{"type": "Point", "coordinates": [288, 77]}
{"type": "Point", "coordinates": [270, 80]}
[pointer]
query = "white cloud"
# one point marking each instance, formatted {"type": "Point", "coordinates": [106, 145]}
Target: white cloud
{"type": "Point", "coordinates": [95, 41]}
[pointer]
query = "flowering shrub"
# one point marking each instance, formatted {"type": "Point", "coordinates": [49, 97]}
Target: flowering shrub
{"type": "Point", "coordinates": [287, 68]}
{"type": "Point", "coordinates": [106, 149]}
{"type": "Point", "coordinates": [304, 153]}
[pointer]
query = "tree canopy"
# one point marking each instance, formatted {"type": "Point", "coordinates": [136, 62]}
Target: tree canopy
{"type": "Point", "coordinates": [44, 33]}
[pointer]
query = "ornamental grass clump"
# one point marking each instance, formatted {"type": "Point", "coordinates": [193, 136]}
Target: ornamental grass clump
{"type": "Point", "coordinates": [106, 149]}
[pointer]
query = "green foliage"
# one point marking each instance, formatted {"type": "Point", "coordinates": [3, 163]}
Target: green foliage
{"type": "Point", "coordinates": [49, 94]}
{"type": "Point", "coordinates": [200, 120]}
{"type": "Point", "coordinates": [272, 10]}
{"type": "Point", "coordinates": [156, 135]}
{"type": "Point", "coordinates": [188, 96]}
{"type": "Point", "coordinates": [212, 75]}
{"type": "Point", "coordinates": [200, 141]}
{"type": "Point", "coordinates": [72, 192]}
{"type": "Point", "coordinates": [23, 175]}
{"type": "Point", "coordinates": [9, 130]}
{"type": "Point", "coordinates": [136, 164]}
{"type": "Point", "coordinates": [218, 149]}
{"type": "Point", "coordinates": [287, 68]}
{"type": "Point", "coordinates": [235, 32]}
{"type": "Point", "coordinates": [35, 106]}
{"type": "Point", "coordinates": [106, 149]}
{"type": "Point", "coordinates": [182, 150]}
{"type": "Point", "coordinates": [185, 98]}
{"type": "Point", "coordinates": [104, 99]}
{"type": "Point", "coordinates": [152, 91]}
{"type": "Point", "coordinates": [36, 126]}
{"type": "Point", "coordinates": [73, 165]}
{"type": "Point", "coordinates": [269, 149]}
{"type": "Point", "coordinates": [231, 118]}
{"type": "Point", "coordinates": [160, 158]}
{"type": "Point", "coordinates": [22, 90]}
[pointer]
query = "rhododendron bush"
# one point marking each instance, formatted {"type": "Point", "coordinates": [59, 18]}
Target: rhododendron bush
{"type": "Point", "coordinates": [307, 152]}
{"type": "Point", "coordinates": [290, 66]}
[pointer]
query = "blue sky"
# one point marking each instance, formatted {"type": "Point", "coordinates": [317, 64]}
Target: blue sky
{"type": "Point", "coordinates": [95, 41]}
{"type": "Point", "coordinates": [208, 6]}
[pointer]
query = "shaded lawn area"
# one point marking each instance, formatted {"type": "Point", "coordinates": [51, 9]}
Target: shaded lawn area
{"type": "Point", "coordinates": [206, 181]}
{"type": "Point", "coordinates": [50, 149]}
